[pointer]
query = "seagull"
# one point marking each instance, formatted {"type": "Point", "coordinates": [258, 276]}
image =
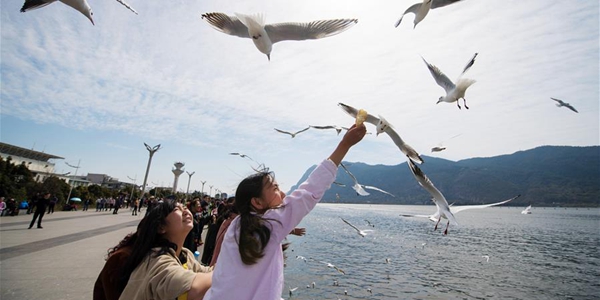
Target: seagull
{"type": "Point", "coordinates": [561, 103]}
{"type": "Point", "coordinates": [292, 134]}
{"type": "Point", "coordinates": [265, 35]}
{"type": "Point", "coordinates": [312, 284]}
{"type": "Point", "coordinates": [330, 265]}
{"type": "Point", "coordinates": [387, 260]}
{"type": "Point", "coordinates": [337, 128]}
{"type": "Point", "coordinates": [242, 155]}
{"type": "Point", "coordinates": [526, 211]}
{"type": "Point", "coordinates": [360, 232]}
{"type": "Point", "coordinates": [370, 224]}
{"type": "Point", "coordinates": [454, 92]}
{"type": "Point", "coordinates": [293, 290]}
{"type": "Point", "coordinates": [302, 258]}
{"type": "Point", "coordinates": [81, 6]}
{"type": "Point", "coordinates": [382, 125]}
{"type": "Point", "coordinates": [360, 188]}
{"type": "Point", "coordinates": [440, 147]}
{"type": "Point", "coordinates": [443, 210]}
{"type": "Point", "coordinates": [487, 258]}
{"type": "Point", "coordinates": [335, 283]}
{"type": "Point", "coordinates": [421, 9]}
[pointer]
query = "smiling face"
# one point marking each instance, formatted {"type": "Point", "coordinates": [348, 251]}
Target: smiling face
{"type": "Point", "coordinates": [271, 196]}
{"type": "Point", "coordinates": [178, 223]}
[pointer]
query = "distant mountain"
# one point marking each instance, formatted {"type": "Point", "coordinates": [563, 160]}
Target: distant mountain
{"type": "Point", "coordinates": [544, 176]}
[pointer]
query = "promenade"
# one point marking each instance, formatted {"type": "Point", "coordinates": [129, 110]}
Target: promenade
{"type": "Point", "coordinates": [62, 260]}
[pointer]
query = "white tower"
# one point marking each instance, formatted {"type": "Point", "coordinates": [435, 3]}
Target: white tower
{"type": "Point", "coordinates": [177, 171]}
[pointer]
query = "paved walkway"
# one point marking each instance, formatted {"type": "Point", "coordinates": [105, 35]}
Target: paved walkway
{"type": "Point", "coordinates": [62, 260]}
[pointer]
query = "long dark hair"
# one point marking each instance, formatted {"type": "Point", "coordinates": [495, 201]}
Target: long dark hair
{"type": "Point", "coordinates": [127, 241]}
{"type": "Point", "coordinates": [148, 237]}
{"type": "Point", "coordinates": [254, 234]}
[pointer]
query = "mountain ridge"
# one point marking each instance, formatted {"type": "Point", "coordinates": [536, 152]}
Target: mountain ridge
{"type": "Point", "coordinates": [544, 176]}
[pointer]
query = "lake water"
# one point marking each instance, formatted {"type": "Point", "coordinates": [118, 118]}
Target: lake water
{"type": "Point", "coordinates": [549, 254]}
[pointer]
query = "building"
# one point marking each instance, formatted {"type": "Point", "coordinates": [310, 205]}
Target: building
{"type": "Point", "coordinates": [39, 163]}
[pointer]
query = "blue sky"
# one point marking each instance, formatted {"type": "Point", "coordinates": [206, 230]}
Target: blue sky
{"type": "Point", "coordinates": [97, 93]}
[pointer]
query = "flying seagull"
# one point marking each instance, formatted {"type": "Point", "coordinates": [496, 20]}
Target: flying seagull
{"type": "Point", "coordinates": [360, 188]}
{"type": "Point", "coordinates": [292, 134]}
{"type": "Point", "coordinates": [444, 211]}
{"type": "Point", "coordinates": [360, 232]}
{"type": "Point", "coordinates": [454, 92]}
{"type": "Point", "coordinates": [422, 9]}
{"type": "Point", "coordinates": [242, 155]}
{"type": "Point", "coordinates": [81, 6]}
{"type": "Point", "coordinates": [330, 265]}
{"type": "Point", "coordinates": [560, 103]}
{"type": "Point", "coordinates": [265, 35]}
{"type": "Point", "coordinates": [337, 128]}
{"type": "Point", "coordinates": [292, 290]}
{"type": "Point", "coordinates": [382, 125]}
{"type": "Point", "coordinates": [440, 146]}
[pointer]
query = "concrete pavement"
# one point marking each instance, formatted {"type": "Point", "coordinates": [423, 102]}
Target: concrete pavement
{"type": "Point", "coordinates": [62, 260]}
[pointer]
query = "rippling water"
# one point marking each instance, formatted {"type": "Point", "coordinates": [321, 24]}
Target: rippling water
{"type": "Point", "coordinates": [550, 254]}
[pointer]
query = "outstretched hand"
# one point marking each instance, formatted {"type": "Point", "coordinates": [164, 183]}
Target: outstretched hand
{"type": "Point", "coordinates": [351, 138]}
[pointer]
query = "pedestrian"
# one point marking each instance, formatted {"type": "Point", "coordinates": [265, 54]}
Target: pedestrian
{"type": "Point", "coordinates": [51, 205]}
{"type": "Point", "coordinates": [40, 210]}
{"type": "Point", "coordinates": [135, 205]}
{"type": "Point", "coordinates": [159, 267]}
{"type": "Point", "coordinates": [251, 256]}
{"type": "Point", "coordinates": [86, 204]}
{"type": "Point", "coordinates": [2, 206]}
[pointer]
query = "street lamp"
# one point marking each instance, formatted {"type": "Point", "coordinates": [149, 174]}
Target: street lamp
{"type": "Point", "coordinates": [132, 187]}
{"type": "Point", "coordinates": [151, 151]}
{"type": "Point", "coordinates": [188, 187]}
{"type": "Point", "coordinates": [210, 193]}
{"type": "Point", "coordinates": [203, 182]}
{"type": "Point", "coordinates": [71, 188]}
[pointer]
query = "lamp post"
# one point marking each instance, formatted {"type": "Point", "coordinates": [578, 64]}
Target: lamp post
{"type": "Point", "coordinates": [210, 193]}
{"type": "Point", "coordinates": [71, 188]}
{"type": "Point", "coordinates": [188, 187]}
{"type": "Point", "coordinates": [151, 151]}
{"type": "Point", "coordinates": [132, 187]}
{"type": "Point", "coordinates": [203, 182]}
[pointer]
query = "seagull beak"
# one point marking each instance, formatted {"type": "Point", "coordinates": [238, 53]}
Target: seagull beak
{"type": "Point", "coordinates": [269, 56]}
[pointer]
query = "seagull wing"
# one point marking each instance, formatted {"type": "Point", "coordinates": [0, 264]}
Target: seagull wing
{"type": "Point", "coordinates": [353, 112]}
{"type": "Point", "coordinates": [456, 209]}
{"type": "Point", "coordinates": [35, 4]}
{"type": "Point", "coordinates": [324, 127]}
{"type": "Point", "coordinates": [470, 64]}
{"type": "Point", "coordinates": [357, 186]}
{"type": "Point", "coordinates": [404, 147]}
{"type": "Point", "coordinates": [558, 100]}
{"type": "Point", "coordinates": [569, 106]}
{"type": "Point", "coordinates": [442, 3]}
{"type": "Point", "coordinates": [412, 9]}
{"type": "Point", "coordinates": [377, 189]}
{"type": "Point", "coordinates": [438, 198]}
{"type": "Point", "coordinates": [303, 130]}
{"type": "Point", "coordinates": [128, 6]}
{"type": "Point", "coordinates": [440, 78]}
{"type": "Point", "coordinates": [281, 131]}
{"type": "Point", "coordinates": [227, 24]}
{"type": "Point", "coordinates": [355, 228]}
{"type": "Point", "coordinates": [307, 31]}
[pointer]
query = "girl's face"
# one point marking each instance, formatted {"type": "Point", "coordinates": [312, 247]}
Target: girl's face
{"type": "Point", "coordinates": [178, 223]}
{"type": "Point", "coordinates": [271, 195]}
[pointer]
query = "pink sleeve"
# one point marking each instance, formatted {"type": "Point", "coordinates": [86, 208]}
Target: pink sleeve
{"type": "Point", "coordinates": [302, 200]}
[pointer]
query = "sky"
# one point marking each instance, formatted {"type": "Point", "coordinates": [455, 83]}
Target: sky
{"type": "Point", "coordinates": [96, 94]}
